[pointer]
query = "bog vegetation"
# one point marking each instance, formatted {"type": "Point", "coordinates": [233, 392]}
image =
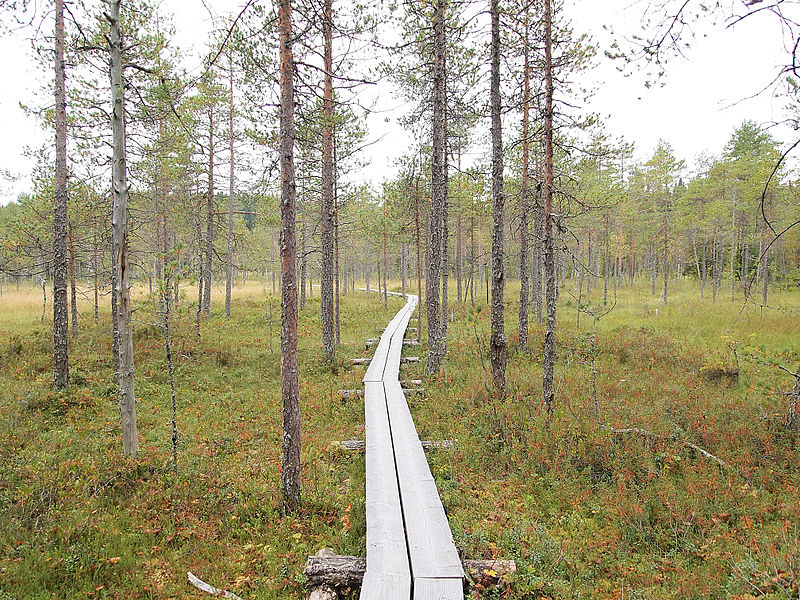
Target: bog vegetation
{"type": "Point", "coordinates": [610, 337]}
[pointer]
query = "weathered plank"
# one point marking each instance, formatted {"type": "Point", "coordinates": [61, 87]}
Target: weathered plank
{"type": "Point", "coordinates": [438, 589]}
{"type": "Point", "coordinates": [430, 541]}
{"type": "Point", "coordinates": [389, 574]}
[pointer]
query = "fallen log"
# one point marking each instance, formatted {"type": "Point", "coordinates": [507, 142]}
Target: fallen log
{"type": "Point", "coordinates": [209, 589]}
{"type": "Point", "coordinates": [427, 445]}
{"type": "Point", "coordinates": [360, 361]}
{"type": "Point", "coordinates": [409, 359]}
{"type": "Point", "coordinates": [350, 394]}
{"type": "Point", "coordinates": [649, 434]}
{"type": "Point", "coordinates": [348, 571]}
{"type": "Point", "coordinates": [410, 343]}
{"type": "Point", "coordinates": [409, 382]}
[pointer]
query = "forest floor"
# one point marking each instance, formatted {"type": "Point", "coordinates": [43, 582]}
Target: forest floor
{"type": "Point", "coordinates": [585, 512]}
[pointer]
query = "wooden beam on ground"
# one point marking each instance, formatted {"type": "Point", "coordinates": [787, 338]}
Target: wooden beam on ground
{"type": "Point", "coordinates": [409, 359]}
{"type": "Point", "coordinates": [209, 589]}
{"type": "Point", "coordinates": [348, 571]}
{"type": "Point", "coordinates": [350, 394]}
{"type": "Point", "coordinates": [360, 361]}
{"type": "Point", "coordinates": [410, 343]}
{"type": "Point", "coordinates": [427, 445]}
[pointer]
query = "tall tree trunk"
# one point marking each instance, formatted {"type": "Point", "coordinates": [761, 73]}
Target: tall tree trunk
{"type": "Point", "coordinates": [445, 254]}
{"type": "Point", "coordinates": [96, 273]}
{"type": "Point", "coordinates": [606, 264]}
{"type": "Point", "coordinates": [524, 196]}
{"type": "Point", "coordinates": [536, 271]}
{"type": "Point", "coordinates": [290, 384]}
{"type": "Point", "coordinates": [336, 245]}
{"type": "Point", "coordinates": [200, 271]}
{"type": "Point", "coordinates": [115, 336]}
{"type": "Point", "coordinates": [581, 279]}
{"type": "Point", "coordinates": [459, 253]}
{"type": "Point", "coordinates": [765, 264]}
{"type": "Point", "coordinates": [60, 314]}
{"type": "Point", "coordinates": [209, 216]}
{"type": "Point", "coordinates": [419, 262]}
{"type": "Point", "coordinates": [231, 191]}
{"type": "Point", "coordinates": [119, 224]}
{"type": "Point", "coordinates": [303, 261]}
{"type": "Point", "coordinates": [328, 212]}
{"type": "Point", "coordinates": [404, 267]}
{"type": "Point", "coordinates": [438, 192]}
{"type": "Point", "coordinates": [497, 342]}
{"type": "Point", "coordinates": [548, 364]}
{"type": "Point", "coordinates": [733, 246]}
{"type": "Point", "coordinates": [666, 243]}
{"type": "Point", "coordinates": [385, 265]}
{"type": "Point", "coordinates": [473, 257]}
{"type": "Point", "coordinates": [653, 269]}
{"type": "Point", "coordinates": [697, 262]}
{"type": "Point", "coordinates": [73, 293]}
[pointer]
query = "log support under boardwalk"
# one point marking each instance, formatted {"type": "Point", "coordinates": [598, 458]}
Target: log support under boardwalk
{"type": "Point", "coordinates": [328, 571]}
{"type": "Point", "coordinates": [427, 445]}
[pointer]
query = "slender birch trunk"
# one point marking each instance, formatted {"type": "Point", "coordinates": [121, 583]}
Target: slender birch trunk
{"type": "Point", "coordinates": [498, 345]}
{"type": "Point", "coordinates": [548, 364]}
{"type": "Point", "coordinates": [119, 224]}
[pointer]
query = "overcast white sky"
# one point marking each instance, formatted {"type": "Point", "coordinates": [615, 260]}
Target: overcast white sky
{"type": "Point", "coordinates": [692, 111]}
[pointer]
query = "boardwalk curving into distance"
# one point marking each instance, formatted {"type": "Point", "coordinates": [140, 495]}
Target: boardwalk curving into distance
{"type": "Point", "coordinates": [410, 549]}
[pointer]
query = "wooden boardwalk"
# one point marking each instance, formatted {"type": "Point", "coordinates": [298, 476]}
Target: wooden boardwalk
{"type": "Point", "coordinates": [410, 550]}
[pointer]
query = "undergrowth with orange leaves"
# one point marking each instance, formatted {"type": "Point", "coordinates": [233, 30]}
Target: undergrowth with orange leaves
{"type": "Point", "coordinates": [584, 511]}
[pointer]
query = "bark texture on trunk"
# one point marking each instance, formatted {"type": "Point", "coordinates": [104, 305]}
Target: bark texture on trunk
{"type": "Point", "coordinates": [438, 194]}
{"type": "Point", "coordinates": [497, 343]}
{"type": "Point", "coordinates": [548, 364]}
{"type": "Point", "coordinates": [73, 292]}
{"type": "Point", "coordinates": [119, 225]}
{"type": "Point", "coordinates": [327, 209]}
{"type": "Point", "coordinates": [290, 385]}
{"type": "Point", "coordinates": [60, 311]}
